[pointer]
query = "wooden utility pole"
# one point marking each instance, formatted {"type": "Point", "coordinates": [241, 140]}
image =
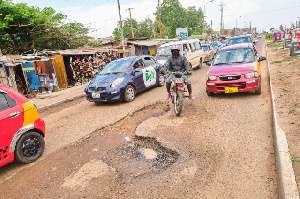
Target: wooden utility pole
{"type": "Point", "coordinates": [121, 28]}
{"type": "Point", "coordinates": [132, 33]}
{"type": "Point", "coordinates": [159, 13]}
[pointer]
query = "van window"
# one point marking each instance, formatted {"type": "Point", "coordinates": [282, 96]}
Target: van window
{"type": "Point", "coordinates": [192, 47]}
{"type": "Point", "coordinates": [185, 48]}
{"type": "Point", "coordinates": [197, 45]}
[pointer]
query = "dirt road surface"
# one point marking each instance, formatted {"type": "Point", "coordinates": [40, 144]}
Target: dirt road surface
{"type": "Point", "coordinates": [220, 147]}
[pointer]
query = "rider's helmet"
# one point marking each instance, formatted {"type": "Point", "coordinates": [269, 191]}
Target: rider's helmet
{"type": "Point", "coordinates": [175, 48]}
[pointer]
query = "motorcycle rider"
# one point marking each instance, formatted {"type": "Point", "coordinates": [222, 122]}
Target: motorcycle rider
{"type": "Point", "coordinates": [178, 62]}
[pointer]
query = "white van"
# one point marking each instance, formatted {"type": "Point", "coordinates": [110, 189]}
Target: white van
{"type": "Point", "coordinates": [191, 49]}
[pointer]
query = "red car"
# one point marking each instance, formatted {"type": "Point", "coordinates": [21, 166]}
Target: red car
{"type": "Point", "coordinates": [235, 69]}
{"type": "Point", "coordinates": [21, 129]}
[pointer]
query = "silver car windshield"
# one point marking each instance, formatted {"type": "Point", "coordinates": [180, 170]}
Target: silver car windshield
{"type": "Point", "coordinates": [231, 56]}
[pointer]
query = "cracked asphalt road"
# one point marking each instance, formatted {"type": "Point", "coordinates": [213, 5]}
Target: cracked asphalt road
{"type": "Point", "coordinates": [224, 147]}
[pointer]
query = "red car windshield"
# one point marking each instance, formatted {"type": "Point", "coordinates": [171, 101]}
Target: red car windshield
{"type": "Point", "coordinates": [231, 56]}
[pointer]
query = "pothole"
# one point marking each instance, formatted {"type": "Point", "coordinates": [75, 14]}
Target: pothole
{"type": "Point", "coordinates": [150, 149]}
{"type": "Point", "coordinates": [135, 155]}
{"type": "Point", "coordinates": [141, 155]}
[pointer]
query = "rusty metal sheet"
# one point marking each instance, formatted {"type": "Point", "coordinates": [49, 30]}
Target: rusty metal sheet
{"type": "Point", "coordinates": [44, 67]}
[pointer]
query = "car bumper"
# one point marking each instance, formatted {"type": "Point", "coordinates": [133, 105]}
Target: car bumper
{"type": "Point", "coordinates": [106, 96]}
{"type": "Point", "coordinates": [243, 85]}
{"type": "Point", "coordinates": [40, 125]}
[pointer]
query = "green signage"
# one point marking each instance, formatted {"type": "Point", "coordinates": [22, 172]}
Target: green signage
{"type": "Point", "coordinates": [149, 76]}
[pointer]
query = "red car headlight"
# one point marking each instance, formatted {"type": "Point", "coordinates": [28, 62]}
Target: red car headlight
{"type": "Point", "coordinates": [211, 77]}
{"type": "Point", "coordinates": [251, 75]}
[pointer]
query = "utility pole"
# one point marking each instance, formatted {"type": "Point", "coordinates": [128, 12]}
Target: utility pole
{"type": "Point", "coordinates": [222, 9]}
{"type": "Point", "coordinates": [159, 13]}
{"type": "Point", "coordinates": [121, 28]}
{"type": "Point", "coordinates": [132, 33]}
{"type": "Point", "coordinates": [250, 27]}
{"type": "Point", "coordinates": [204, 24]}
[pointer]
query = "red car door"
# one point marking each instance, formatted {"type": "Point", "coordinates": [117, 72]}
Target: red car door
{"type": "Point", "coordinates": [11, 120]}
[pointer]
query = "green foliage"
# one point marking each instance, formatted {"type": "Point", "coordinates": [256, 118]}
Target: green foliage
{"type": "Point", "coordinates": [24, 28]}
{"type": "Point", "coordinates": [269, 36]}
{"type": "Point", "coordinates": [294, 159]}
{"type": "Point", "coordinates": [173, 16]}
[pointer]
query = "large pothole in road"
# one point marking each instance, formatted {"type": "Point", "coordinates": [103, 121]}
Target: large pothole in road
{"type": "Point", "coordinates": [139, 155]}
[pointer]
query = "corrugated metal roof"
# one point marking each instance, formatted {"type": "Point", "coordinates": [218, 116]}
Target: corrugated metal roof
{"type": "Point", "coordinates": [145, 42]}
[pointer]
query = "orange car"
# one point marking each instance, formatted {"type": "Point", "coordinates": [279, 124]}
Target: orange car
{"type": "Point", "coordinates": [21, 129]}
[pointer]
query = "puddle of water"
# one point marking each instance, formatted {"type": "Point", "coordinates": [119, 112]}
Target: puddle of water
{"type": "Point", "coordinates": [149, 154]}
{"type": "Point", "coordinates": [161, 156]}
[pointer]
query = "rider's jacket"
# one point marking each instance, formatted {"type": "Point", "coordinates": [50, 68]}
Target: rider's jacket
{"type": "Point", "coordinates": [179, 63]}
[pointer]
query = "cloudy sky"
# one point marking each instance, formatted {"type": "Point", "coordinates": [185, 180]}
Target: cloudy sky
{"type": "Point", "coordinates": [102, 15]}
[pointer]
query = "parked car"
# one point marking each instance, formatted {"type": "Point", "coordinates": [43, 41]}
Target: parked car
{"type": "Point", "coordinates": [209, 52]}
{"type": "Point", "coordinates": [22, 130]}
{"type": "Point", "coordinates": [216, 46]}
{"type": "Point", "coordinates": [190, 48]}
{"type": "Point", "coordinates": [122, 79]}
{"type": "Point", "coordinates": [235, 69]}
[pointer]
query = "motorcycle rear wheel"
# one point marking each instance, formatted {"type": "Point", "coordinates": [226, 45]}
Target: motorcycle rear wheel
{"type": "Point", "coordinates": [178, 103]}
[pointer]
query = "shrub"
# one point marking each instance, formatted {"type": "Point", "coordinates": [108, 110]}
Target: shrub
{"type": "Point", "coordinates": [269, 36]}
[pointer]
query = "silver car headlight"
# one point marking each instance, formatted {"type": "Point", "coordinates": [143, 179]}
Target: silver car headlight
{"type": "Point", "coordinates": [251, 75]}
{"type": "Point", "coordinates": [117, 82]}
{"type": "Point", "coordinates": [211, 77]}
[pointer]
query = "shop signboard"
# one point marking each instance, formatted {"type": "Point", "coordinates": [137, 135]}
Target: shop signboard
{"type": "Point", "coordinates": [295, 49]}
{"type": "Point", "coordinates": [287, 43]}
{"type": "Point", "coordinates": [277, 36]}
{"type": "Point", "coordinates": [288, 39]}
{"type": "Point", "coordinates": [182, 33]}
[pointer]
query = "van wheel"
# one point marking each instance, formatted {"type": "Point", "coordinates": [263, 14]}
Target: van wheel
{"type": "Point", "coordinates": [200, 64]}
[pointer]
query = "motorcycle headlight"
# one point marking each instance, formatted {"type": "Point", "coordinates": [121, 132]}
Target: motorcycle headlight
{"type": "Point", "coordinates": [211, 77]}
{"type": "Point", "coordinates": [251, 75]}
{"type": "Point", "coordinates": [117, 82]}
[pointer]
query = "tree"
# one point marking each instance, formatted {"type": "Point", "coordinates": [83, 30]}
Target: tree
{"type": "Point", "coordinates": [173, 15]}
{"type": "Point", "coordinates": [194, 20]}
{"type": "Point", "coordinates": [126, 29]}
{"type": "Point", "coordinates": [24, 28]}
{"type": "Point", "coordinates": [144, 29]}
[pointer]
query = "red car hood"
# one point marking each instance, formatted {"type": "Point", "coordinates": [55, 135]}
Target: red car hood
{"type": "Point", "coordinates": [232, 69]}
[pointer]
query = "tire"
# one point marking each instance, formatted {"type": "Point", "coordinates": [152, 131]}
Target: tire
{"type": "Point", "coordinates": [200, 64]}
{"type": "Point", "coordinates": [209, 93]}
{"type": "Point", "coordinates": [258, 91]}
{"type": "Point", "coordinates": [129, 93]}
{"type": "Point", "coordinates": [30, 147]}
{"type": "Point", "coordinates": [161, 80]}
{"type": "Point", "coordinates": [178, 103]}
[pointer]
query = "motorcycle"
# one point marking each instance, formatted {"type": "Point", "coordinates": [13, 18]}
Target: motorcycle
{"type": "Point", "coordinates": [178, 91]}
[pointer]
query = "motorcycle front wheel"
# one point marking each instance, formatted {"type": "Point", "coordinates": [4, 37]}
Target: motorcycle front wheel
{"type": "Point", "coordinates": [178, 103]}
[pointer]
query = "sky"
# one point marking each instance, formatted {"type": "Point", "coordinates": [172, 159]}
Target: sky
{"type": "Point", "coordinates": [101, 16]}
